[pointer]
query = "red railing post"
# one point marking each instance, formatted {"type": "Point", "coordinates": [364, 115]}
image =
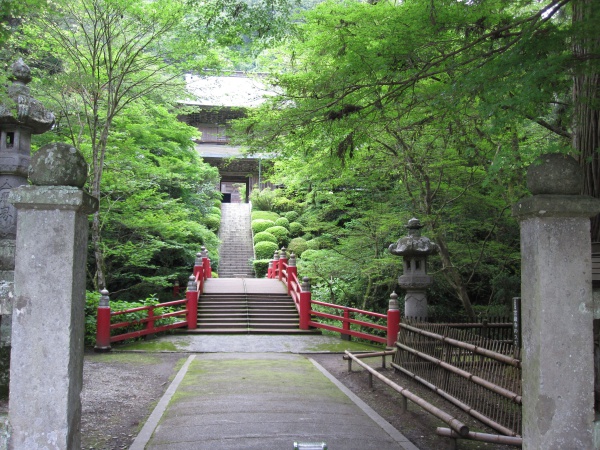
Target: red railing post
{"type": "Point", "coordinates": [198, 264]}
{"type": "Point", "coordinates": [292, 273]}
{"type": "Point", "coordinates": [275, 272]}
{"type": "Point", "coordinates": [176, 289]}
{"type": "Point", "coordinates": [150, 323]}
{"type": "Point", "coordinates": [282, 261]}
{"type": "Point", "coordinates": [305, 306]}
{"type": "Point", "coordinates": [346, 326]}
{"type": "Point", "coordinates": [103, 323]}
{"type": "Point", "coordinates": [206, 263]}
{"type": "Point", "coordinates": [192, 303]}
{"type": "Point", "coordinates": [393, 320]}
{"type": "Point", "coordinates": [270, 270]}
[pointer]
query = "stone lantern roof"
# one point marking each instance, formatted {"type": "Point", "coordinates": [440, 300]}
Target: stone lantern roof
{"type": "Point", "coordinates": [25, 111]}
{"type": "Point", "coordinates": [414, 244]}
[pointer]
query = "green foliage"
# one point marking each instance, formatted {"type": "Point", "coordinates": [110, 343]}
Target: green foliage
{"type": "Point", "coordinates": [283, 222]}
{"type": "Point", "coordinates": [211, 221]}
{"type": "Point", "coordinates": [264, 236]}
{"type": "Point", "coordinates": [215, 210]}
{"type": "Point", "coordinates": [265, 250]}
{"type": "Point", "coordinates": [282, 205]}
{"type": "Point", "coordinates": [262, 200]}
{"type": "Point", "coordinates": [313, 244]}
{"type": "Point", "coordinates": [291, 216]}
{"type": "Point", "coordinates": [296, 229]}
{"type": "Point", "coordinates": [261, 267]}
{"type": "Point", "coordinates": [265, 215]}
{"type": "Point", "coordinates": [297, 246]}
{"type": "Point", "coordinates": [281, 233]}
{"type": "Point", "coordinates": [259, 225]}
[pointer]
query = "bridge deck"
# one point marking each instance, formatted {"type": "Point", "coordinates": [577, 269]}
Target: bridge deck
{"type": "Point", "coordinates": [244, 286]}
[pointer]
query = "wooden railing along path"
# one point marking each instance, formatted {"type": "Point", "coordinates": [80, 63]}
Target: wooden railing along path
{"type": "Point", "coordinates": [282, 269]}
{"type": "Point", "coordinates": [108, 330]}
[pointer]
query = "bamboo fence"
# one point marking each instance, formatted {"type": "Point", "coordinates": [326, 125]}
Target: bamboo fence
{"type": "Point", "coordinates": [479, 375]}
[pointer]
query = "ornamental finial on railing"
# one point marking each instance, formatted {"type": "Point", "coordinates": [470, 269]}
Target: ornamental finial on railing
{"type": "Point", "coordinates": [276, 255]}
{"type": "Point", "coordinates": [292, 260]}
{"type": "Point", "coordinates": [104, 299]}
{"type": "Point", "coordinates": [282, 253]}
{"type": "Point", "coordinates": [198, 261]}
{"type": "Point", "coordinates": [192, 286]}
{"type": "Point", "coordinates": [305, 284]}
{"type": "Point", "coordinates": [393, 301]}
{"type": "Point", "coordinates": [204, 252]}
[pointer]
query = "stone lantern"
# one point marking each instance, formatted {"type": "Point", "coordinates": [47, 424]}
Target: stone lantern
{"type": "Point", "coordinates": [414, 249]}
{"type": "Point", "coordinates": [21, 116]}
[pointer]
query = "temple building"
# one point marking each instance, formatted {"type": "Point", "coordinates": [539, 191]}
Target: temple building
{"type": "Point", "coordinates": [215, 101]}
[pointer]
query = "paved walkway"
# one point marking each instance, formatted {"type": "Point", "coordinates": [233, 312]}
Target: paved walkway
{"type": "Point", "coordinates": [259, 392]}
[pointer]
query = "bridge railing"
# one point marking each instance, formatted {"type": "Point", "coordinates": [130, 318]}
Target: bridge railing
{"type": "Point", "coordinates": [109, 329]}
{"type": "Point", "coordinates": [282, 269]}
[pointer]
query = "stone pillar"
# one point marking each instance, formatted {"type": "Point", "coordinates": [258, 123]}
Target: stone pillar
{"type": "Point", "coordinates": [556, 308]}
{"type": "Point", "coordinates": [20, 117]}
{"type": "Point", "coordinates": [414, 250]}
{"type": "Point", "coordinates": [48, 314]}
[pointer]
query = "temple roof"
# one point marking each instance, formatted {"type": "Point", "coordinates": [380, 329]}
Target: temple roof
{"type": "Point", "coordinates": [237, 90]}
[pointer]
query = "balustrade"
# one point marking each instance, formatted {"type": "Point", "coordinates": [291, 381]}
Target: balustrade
{"type": "Point", "coordinates": [106, 331]}
{"type": "Point", "coordinates": [280, 268]}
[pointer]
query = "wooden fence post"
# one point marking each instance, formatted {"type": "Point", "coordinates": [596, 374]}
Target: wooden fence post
{"type": "Point", "coordinates": [393, 320]}
{"type": "Point", "coordinates": [305, 304]}
{"type": "Point", "coordinates": [275, 272]}
{"type": "Point", "coordinates": [192, 303]}
{"type": "Point", "coordinates": [103, 323]}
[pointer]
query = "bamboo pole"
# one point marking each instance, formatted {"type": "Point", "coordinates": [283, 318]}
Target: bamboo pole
{"type": "Point", "coordinates": [454, 423]}
{"type": "Point", "coordinates": [457, 402]}
{"type": "Point", "coordinates": [475, 349]}
{"type": "Point", "coordinates": [463, 373]}
{"type": "Point", "coordinates": [483, 437]}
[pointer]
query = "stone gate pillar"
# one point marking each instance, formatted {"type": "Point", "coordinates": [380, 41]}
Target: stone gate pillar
{"type": "Point", "coordinates": [556, 309]}
{"type": "Point", "coordinates": [46, 370]}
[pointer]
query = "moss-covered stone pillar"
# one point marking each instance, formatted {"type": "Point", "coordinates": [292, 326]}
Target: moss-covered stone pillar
{"type": "Point", "coordinates": [556, 292]}
{"type": "Point", "coordinates": [46, 372]}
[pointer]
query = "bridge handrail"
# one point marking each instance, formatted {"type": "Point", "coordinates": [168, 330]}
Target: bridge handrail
{"type": "Point", "coordinates": [105, 329]}
{"type": "Point", "coordinates": [282, 269]}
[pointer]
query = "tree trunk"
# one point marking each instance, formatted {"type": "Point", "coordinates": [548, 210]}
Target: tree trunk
{"type": "Point", "coordinates": [586, 103]}
{"type": "Point", "coordinates": [453, 276]}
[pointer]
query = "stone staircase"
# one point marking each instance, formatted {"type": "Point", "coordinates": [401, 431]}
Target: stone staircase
{"type": "Point", "coordinates": [236, 251]}
{"type": "Point", "coordinates": [247, 313]}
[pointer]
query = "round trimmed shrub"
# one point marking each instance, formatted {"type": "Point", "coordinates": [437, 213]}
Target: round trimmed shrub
{"type": "Point", "coordinates": [211, 221]}
{"type": "Point", "coordinates": [259, 225]}
{"type": "Point", "coordinates": [265, 249]}
{"type": "Point", "coordinates": [263, 236]}
{"type": "Point", "coordinates": [265, 215]}
{"type": "Point", "coordinates": [281, 233]}
{"type": "Point", "coordinates": [296, 228]}
{"type": "Point", "coordinates": [261, 267]}
{"type": "Point", "coordinates": [283, 222]}
{"type": "Point", "coordinates": [309, 253]}
{"type": "Point", "coordinates": [215, 210]}
{"type": "Point", "coordinates": [313, 244]}
{"type": "Point", "coordinates": [292, 216]}
{"type": "Point", "coordinates": [297, 246]}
